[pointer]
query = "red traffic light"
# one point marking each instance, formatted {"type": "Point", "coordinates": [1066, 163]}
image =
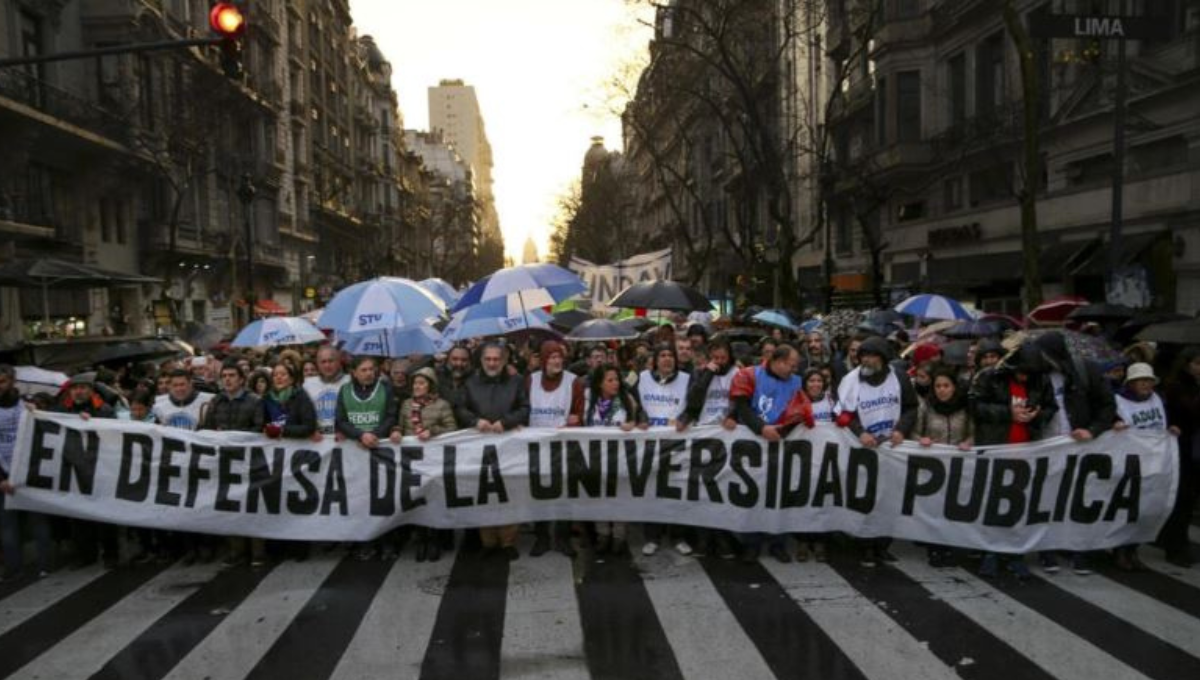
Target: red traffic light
{"type": "Point", "coordinates": [227, 19]}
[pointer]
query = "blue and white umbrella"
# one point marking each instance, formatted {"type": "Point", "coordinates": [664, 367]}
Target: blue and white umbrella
{"type": "Point", "coordinates": [934, 307]}
{"type": "Point", "coordinates": [380, 304]}
{"type": "Point", "coordinates": [443, 290]}
{"type": "Point", "coordinates": [528, 286]}
{"type": "Point", "coordinates": [394, 343]}
{"type": "Point", "coordinates": [775, 318]}
{"type": "Point", "coordinates": [277, 330]}
{"type": "Point", "coordinates": [462, 327]}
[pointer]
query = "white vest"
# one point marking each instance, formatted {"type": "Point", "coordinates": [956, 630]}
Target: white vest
{"type": "Point", "coordinates": [324, 396]}
{"type": "Point", "coordinates": [716, 400]}
{"type": "Point", "coordinates": [10, 418]}
{"type": "Point", "coordinates": [878, 408]}
{"type": "Point", "coordinates": [181, 417]}
{"type": "Point", "coordinates": [550, 409]}
{"type": "Point", "coordinates": [823, 409]}
{"type": "Point", "coordinates": [663, 403]}
{"type": "Point", "coordinates": [1143, 415]}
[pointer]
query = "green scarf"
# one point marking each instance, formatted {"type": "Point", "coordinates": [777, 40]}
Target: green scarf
{"type": "Point", "coordinates": [282, 396]}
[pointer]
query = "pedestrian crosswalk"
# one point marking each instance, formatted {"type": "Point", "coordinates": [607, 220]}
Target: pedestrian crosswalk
{"type": "Point", "coordinates": [665, 616]}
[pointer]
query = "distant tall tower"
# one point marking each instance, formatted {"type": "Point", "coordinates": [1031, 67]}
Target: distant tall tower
{"type": "Point", "coordinates": [531, 254]}
{"type": "Point", "coordinates": [454, 111]}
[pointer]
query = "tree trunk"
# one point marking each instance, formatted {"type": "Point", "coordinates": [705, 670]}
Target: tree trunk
{"type": "Point", "coordinates": [1031, 157]}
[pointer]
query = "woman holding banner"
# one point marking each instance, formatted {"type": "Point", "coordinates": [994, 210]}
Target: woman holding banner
{"type": "Point", "coordinates": [425, 415]}
{"type": "Point", "coordinates": [944, 418]}
{"type": "Point", "coordinates": [610, 403]}
{"type": "Point", "coordinates": [288, 413]}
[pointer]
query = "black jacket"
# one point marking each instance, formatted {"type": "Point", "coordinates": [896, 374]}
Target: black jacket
{"type": "Point", "coordinates": [991, 404]}
{"type": "Point", "coordinates": [698, 392]}
{"type": "Point", "coordinates": [1087, 397]}
{"type": "Point", "coordinates": [301, 415]}
{"type": "Point", "coordinates": [243, 413]}
{"type": "Point", "coordinates": [502, 398]}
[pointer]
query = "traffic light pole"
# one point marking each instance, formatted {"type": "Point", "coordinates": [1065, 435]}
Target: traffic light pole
{"type": "Point", "coordinates": [110, 51]}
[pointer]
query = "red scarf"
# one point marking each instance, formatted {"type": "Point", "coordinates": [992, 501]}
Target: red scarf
{"type": "Point", "coordinates": [414, 415]}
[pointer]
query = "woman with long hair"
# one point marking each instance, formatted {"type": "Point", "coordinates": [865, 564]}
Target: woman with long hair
{"type": "Point", "coordinates": [609, 402]}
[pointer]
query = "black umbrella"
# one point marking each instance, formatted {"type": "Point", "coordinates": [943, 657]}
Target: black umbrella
{"type": "Point", "coordinates": [636, 323]}
{"type": "Point", "coordinates": [569, 319]}
{"type": "Point", "coordinates": [1128, 330]}
{"type": "Point", "coordinates": [969, 330]}
{"type": "Point", "coordinates": [598, 330]}
{"type": "Point", "coordinates": [46, 272]}
{"type": "Point", "coordinates": [1173, 333]}
{"type": "Point", "coordinates": [955, 353]}
{"type": "Point", "coordinates": [137, 350]}
{"type": "Point", "coordinates": [662, 295]}
{"type": "Point", "coordinates": [1102, 312]}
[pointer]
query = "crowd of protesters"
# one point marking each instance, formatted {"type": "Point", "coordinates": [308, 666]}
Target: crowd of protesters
{"type": "Point", "coordinates": [672, 379]}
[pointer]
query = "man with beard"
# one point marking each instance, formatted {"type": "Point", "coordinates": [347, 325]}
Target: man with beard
{"type": "Point", "coordinates": [324, 387]}
{"type": "Point", "coordinates": [554, 396]}
{"type": "Point", "coordinates": [454, 375]}
{"type": "Point", "coordinates": [495, 401]}
{"type": "Point", "coordinates": [877, 402]}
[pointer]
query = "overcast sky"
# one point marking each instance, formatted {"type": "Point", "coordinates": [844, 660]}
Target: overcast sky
{"type": "Point", "coordinates": [541, 70]}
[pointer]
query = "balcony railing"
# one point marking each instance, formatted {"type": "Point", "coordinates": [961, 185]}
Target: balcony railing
{"type": "Point", "coordinates": [21, 86]}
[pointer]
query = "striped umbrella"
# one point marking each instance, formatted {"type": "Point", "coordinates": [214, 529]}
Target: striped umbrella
{"type": "Point", "coordinates": [277, 330]}
{"type": "Point", "coordinates": [933, 307]}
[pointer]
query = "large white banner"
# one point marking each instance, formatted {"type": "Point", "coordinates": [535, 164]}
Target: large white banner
{"type": "Point", "coordinates": [1056, 494]}
{"type": "Point", "coordinates": [604, 281]}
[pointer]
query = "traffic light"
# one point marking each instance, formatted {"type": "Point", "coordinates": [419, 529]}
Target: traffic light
{"type": "Point", "coordinates": [229, 23]}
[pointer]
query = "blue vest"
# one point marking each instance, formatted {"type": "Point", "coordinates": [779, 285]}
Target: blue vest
{"type": "Point", "coordinates": [772, 395]}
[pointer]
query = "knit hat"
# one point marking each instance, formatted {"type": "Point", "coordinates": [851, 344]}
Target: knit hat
{"type": "Point", "coordinates": [877, 346]}
{"type": "Point", "coordinates": [1140, 372]}
{"type": "Point", "coordinates": [429, 374]}
{"type": "Point", "coordinates": [924, 352]}
{"type": "Point", "coordinates": [550, 348]}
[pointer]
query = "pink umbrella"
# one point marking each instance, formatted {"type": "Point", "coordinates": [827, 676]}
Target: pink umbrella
{"type": "Point", "coordinates": [1055, 310]}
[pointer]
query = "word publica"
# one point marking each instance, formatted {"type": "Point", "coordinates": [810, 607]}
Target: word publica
{"type": "Point", "coordinates": [1006, 492]}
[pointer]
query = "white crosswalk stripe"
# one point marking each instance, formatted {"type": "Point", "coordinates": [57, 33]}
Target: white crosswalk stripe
{"type": "Point", "coordinates": [543, 637]}
{"type": "Point", "coordinates": [543, 634]}
{"type": "Point", "coordinates": [876, 644]}
{"type": "Point", "coordinates": [690, 610]}
{"type": "Point", "coordinates": [391, 640]}
{"type": "Point", "coordinates": [1162, 621]}
{"type": "Point", "coordinates": [27, 602]}
{"type": "Point", "coordinates": [86, 650]}
{"type": "Point", "coordinates": [1044, 642]}
{"type": "Point", "coordinates": [247, 633]}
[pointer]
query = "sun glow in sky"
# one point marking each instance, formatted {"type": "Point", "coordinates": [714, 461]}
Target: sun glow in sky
{"type": "Point", "coordinates": [542, 70]}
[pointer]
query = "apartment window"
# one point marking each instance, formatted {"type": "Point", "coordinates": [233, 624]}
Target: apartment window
{"type": "Point", "coordinates": [903, 9]}
{"type": "Point", "coordinates": [31, 46]}
{"type": "Point", "coordinates": [881, 112]}
{"type": "Point", "coordinates": [991, 184]}
{"type": "Point", "coordinates": [1164, 154]}
{"type": "Point", "coordinates": [844, 228]}
{"type": "Point", "coordinates": [952, 193]}
{"type": "Point", "coordinates": [957, 82]}
{"type": "Point", "coordinates": [989, 75]}
{"type": "Point", "coordinates": [908, 106]}
{"type": "Point", "coordinates": [912, 210]}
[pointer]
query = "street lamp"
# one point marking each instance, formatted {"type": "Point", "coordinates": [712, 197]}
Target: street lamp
{"type": "Point", "coordinates": [245, 193]}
